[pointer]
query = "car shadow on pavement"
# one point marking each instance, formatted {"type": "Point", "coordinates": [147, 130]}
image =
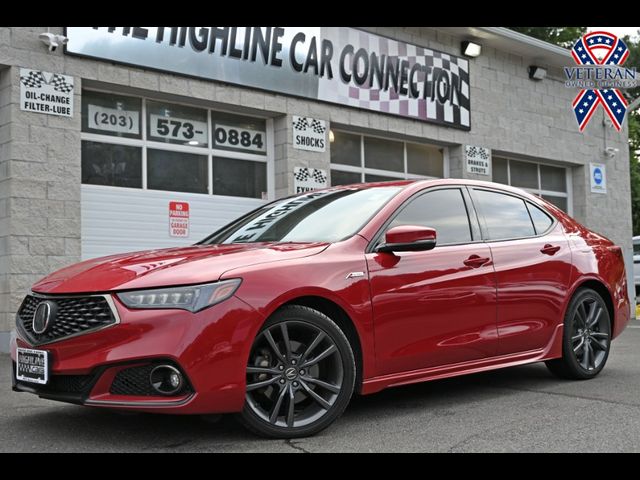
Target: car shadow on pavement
{"type": "Point", "coordinates": [90, 429]}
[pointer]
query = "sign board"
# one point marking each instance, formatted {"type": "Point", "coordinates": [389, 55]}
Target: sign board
{"type": "Point", "coordinates": [478, 160]}
{"type": "Point", "coordinates": [340, 65]}
{"type": "Point", "coordinates": [598, 174]}
{"type": "Point", "coordinates": [309, 134]}
{"type": "Point", "coordinates": [113, 120]}
{"type": "Point", "coordinates": [180, 129]}
{"type": "Point", "coordinates": [44, 92]}
{"type": "Point", "coordinates": [179, 219]}
{"type": "Point", "coordinates": [240, 138]}
{"type": "Point", "coordinates": [308, 179]}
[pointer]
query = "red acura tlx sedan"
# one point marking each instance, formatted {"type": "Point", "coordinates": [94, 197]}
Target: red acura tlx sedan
{"type": "Point", "coordinates": [286, 312]}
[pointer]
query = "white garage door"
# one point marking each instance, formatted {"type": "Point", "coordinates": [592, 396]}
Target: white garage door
{"type": "Point", "coordinates": [116, 220]}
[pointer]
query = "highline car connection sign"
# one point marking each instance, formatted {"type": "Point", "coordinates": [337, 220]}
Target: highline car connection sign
{"type": "Point", "coordinates": [333, 64]}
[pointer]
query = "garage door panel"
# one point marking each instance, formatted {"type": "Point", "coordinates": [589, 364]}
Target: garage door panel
{"type": "Point", "coordinates": [116, 220]}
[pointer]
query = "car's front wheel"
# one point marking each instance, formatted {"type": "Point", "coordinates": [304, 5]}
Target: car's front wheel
{"type": "Point", "coordinates": [300, 375]}
{"type": "Point", "coordinates": [587, 337]}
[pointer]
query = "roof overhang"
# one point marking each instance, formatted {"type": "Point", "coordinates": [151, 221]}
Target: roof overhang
{"type": "Point", "coordinates": [506, 40]}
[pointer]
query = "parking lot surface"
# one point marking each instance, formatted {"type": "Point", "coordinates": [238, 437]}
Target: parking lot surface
{"type": "Point", "coordinates": [519, 409]}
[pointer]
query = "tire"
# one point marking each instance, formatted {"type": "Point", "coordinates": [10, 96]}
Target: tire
{"type": "Point", "coordinates": [584, 350]}
{"type": "Point", "coordinates": [320, 383]}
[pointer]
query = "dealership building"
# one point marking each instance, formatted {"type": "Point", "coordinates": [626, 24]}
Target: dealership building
{"type": "Point", "coordinates": [115, 139]}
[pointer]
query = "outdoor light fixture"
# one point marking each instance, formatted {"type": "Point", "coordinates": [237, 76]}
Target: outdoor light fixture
{"type": "Point", "coordinates": [537, 73]}
{"type": "Point", "coordinates": [53, 41]}
{"type": "Point", "coordinates": [332, 137]}
{"type": "Point", "coordinates": [470, 49]}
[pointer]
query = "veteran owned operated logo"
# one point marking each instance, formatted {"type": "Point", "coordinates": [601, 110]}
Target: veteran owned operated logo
{"type": "Point", "coordinates": [600, 75]}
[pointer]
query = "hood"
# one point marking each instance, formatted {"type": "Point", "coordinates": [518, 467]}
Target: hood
{"type": "Point", "coordinates": [166, 267]}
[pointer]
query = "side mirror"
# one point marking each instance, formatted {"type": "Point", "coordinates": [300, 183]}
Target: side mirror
{"type": "Point", "coordinates": [408, 238]}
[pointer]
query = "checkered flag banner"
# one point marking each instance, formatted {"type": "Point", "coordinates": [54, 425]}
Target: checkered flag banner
{"type": "Point", "coordinates": [36, 79]}
{"type": "Point", "coordinates": [300, 124]}
{"type": "Point", "coordinates": [60, 84]}
{"type": "Point", "coordinates": [305, 174]}
{"type": "Point", "coordinates": [317, 127]}
{"type": "Point", "coordinates": [33, 80]}
{"type": "Point", "coordinates": [455, 111]}
{"type": "Point", "coordinates": [319, 176]}
{"type": "Point", "coordinates": [477, 152]}
{"type": "Point", "coordinates": [302, 174]}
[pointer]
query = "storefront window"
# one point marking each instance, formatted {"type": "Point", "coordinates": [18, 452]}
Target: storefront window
{"type": "Point", "coordinates": [356, 158]}
{"type": "Point", "coordinates": [553, 178]}
{"type": "Point", "coordinates": [546, 181]}
{"type": "Point", "coordinates": [177, 124]}
{"type": "Point", "coordinates": [176, 171]}
{"type": "Point", "coordinates": [524, 175]}
{"type": "Point", "coordinates": [111, 165]}
{"type": "Point", "coordinates": [346, 149]}
{"type": "Point", "coordinates": [239, 134]}
{"type": "Point", "coordinates": [383, 154]}
{"type": "Point", "coordinates": [181, 149]}
{"type": "Point", "coordinates": [113, 115]}
{"type": "Point", "coordinates": [344, 178]}
{"type": "Point", "coordinates": [424, 160]}
{"type": "Point", "coordinates": [239, 178]}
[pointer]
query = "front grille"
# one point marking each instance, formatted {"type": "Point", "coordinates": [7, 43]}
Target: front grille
{"type": "Point", "coordinates": [135, 381]}
{"type": "Point", "coordinates": [74, 315]}
{"type": "Point", "coordinates": [69, 383]}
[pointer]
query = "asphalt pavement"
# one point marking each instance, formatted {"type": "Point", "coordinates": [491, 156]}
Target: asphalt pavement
{"type": "Point", "coordinates": [520, 409]}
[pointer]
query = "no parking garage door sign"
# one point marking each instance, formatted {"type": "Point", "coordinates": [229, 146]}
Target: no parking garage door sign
{"type": "Point", "coordinates": [179, 219]}
{"type": "Point", "coordinates": [44, 92]}
{"type": "Point", "coordinates": [341, 65]}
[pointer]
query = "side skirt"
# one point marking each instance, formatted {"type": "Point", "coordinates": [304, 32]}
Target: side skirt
{"type": "Point", "coordinates": [552, 350]}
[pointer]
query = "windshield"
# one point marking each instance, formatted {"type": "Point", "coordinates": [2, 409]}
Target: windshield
{"type": "Point", "coordinates": [326, 216]}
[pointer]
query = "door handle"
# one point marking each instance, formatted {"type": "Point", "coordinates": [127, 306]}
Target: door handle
{"type": "Point", "coordinates": [475, 261]}
{"type": "Point", "coordinates": [549, 249]}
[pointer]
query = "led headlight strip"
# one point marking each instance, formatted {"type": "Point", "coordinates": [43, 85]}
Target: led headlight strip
{"type": "Point", "coordinates": [193, 298]}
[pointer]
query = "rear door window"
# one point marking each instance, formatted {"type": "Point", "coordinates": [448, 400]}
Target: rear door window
{"type": "Point", "coordinates": [505, 216]}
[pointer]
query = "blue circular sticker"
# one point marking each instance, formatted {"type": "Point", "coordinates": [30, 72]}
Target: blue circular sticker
{"type": "Point", "coordinates": [597, 175]}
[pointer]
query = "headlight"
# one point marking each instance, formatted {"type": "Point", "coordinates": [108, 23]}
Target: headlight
{"type": "Point", "coordinates": [193, 298]}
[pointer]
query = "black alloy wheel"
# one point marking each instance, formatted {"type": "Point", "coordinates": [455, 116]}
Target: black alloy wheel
{"type": "Point", "coordinates": [587, 337]}
{"type": "Point", "coordinates": [300, 374]}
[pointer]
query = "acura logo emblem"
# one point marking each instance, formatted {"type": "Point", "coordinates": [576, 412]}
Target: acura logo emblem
{"type": "Point", "coordinates": [43, 316]}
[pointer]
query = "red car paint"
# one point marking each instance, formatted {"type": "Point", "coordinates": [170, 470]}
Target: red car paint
{"type": "Point", "coordinates": [417, 315]}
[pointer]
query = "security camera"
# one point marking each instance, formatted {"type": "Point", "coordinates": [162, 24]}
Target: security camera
{"type": "Point", "coordinates": [53, 40]}
{"type": "Point", "coordinates": [611, 152]}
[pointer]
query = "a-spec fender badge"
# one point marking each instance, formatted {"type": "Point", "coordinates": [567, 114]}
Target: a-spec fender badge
{"type": "Point", "coordinates": [355, 275]}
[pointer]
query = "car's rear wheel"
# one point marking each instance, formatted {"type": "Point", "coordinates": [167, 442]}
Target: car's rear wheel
{"type": "Point", "coordinates": [587, 337]}
{"type": "Point", "coordinates": [300, 375]}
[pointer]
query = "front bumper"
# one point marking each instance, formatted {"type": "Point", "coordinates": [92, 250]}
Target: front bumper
{"type": "Point", "coordinates": [210, 348]}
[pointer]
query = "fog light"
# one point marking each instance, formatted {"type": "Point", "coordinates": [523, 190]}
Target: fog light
{"type": "Point", "coordinates": [166, 380]}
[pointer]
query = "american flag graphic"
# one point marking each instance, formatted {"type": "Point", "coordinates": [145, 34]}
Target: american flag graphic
{"type": "Point", "coordinates": [600, 48]}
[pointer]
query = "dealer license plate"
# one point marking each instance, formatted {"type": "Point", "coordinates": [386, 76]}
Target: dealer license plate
{"type": "Point", "coordinates": [32, 366]}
